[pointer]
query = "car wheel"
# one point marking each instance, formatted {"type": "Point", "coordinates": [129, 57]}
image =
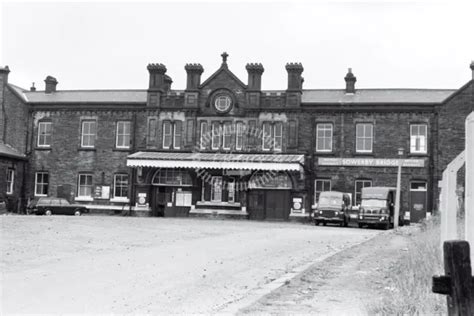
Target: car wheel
{"type": "Point", "coordinates": [77, 213]}
{"type": "Point", "coordinates": [48, 213]}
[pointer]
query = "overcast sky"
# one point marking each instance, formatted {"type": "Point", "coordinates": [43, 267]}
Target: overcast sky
{"type": "Point", "coordinates": [108, 45]}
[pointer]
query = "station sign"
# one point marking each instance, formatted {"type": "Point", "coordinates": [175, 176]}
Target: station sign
{"type": "Point", "coordinates": [370, 162]}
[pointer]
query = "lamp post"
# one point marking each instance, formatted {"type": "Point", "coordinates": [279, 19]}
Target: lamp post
{"type": "Point", "coordinates": [397, 195]}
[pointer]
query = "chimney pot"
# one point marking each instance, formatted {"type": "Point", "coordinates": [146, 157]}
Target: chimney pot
{"type": "Point", "coordinates": [295, 81]}
{"type": "Point", "coordinates": [32, 88]}
{"type": "Point", "coordinates": [51, 83]}
{"type": "Point", "coordinates": [4, 74]}
{"type": "Point", "coordinates": [472, 68]}
{"type": "Point", "coordinates": [194, 72]}
{"type": "Point", "coordinates": [255, 71]}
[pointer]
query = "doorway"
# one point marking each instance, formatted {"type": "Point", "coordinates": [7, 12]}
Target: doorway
{"type": "Point", "coordinates": [418, 201]}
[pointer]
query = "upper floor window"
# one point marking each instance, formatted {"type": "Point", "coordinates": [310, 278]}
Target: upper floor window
{"type": "Point", "coordinates": [418, 138]}
{"type": "Point", "coordinates": [364, 137]}
{"type": "Point", "coordinates": [267, 136]}
{"type": "Point", "coordinates": [277, 136]}
{"type": "Point", "coordinates": [41, 183]}
{"type": "Point", "coordinates": [44, 134]}
{"type": "Point", "coordinates": [292, 134]}
{"type": "Point", "coordinates": [177, 134]}
{"type": "Point", "coordinates": [216, 136]}
{"type": "Point", "coordinates": [239, 136]}
{"type": "Point", "coordinates": [89, 131]}
{"type": "Point", "coordinates": [152, 131]}
{"type": "Point", "coordinates": [227, 136]}
{"type": "Point", "coordinates": [167, 134]}
{"type": "Point", "coordinates": [359, 184]}
{"type": "Point", "coordinates": [121, 186]}
{"type": "Point", "coordinates": [84, 188]}
{"type": "Point", "coordinates": [321, 185]}
{"type": "Point", "coordinates": [324, 137]}
{"type": "Point", "coordinates": [204, 141]}
{"type": "Point", "coordinates": [10, 180]}
{"type": "Point", "coordinates": [123, 135]}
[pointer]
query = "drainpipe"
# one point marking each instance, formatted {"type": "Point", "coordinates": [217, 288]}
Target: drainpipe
{"type": "Point", "coordinates": [134, 171]}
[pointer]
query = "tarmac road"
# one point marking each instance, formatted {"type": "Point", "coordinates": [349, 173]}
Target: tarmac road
{"type": "Point", "coordinates": [102, 264]}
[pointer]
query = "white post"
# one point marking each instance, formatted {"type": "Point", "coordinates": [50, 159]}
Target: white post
{"type": "Point", "coordinates": [469, 190]}
{"type": "Point", "coordinates": [397, 195]}
{"type": "Point", "coordinates": [449, 202]}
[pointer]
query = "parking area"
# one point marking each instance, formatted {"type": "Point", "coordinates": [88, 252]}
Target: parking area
{"type": "Point", "coordinates": [100, 264]}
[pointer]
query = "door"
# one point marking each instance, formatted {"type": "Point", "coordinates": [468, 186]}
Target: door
{"type": "Point", "coordinates": [256, 204]}
{"type": "Point", "coordinates": [418, 200]}
{"type": "Point", "coordinates": [159, 201]}
{"type": "Point", "coordinates": [277, 204]}
{"type": "Point", "coordinates": [216, 189]}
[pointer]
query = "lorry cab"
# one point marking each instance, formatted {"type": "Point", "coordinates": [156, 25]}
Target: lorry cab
{"type": "Point", "coordinates": [333, 207]}
{"type": "Point", "coordinates": [378, 207]}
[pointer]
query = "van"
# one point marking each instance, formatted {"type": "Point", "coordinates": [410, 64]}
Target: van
{"type": "Point", "coordinates": [333, 207]}
{"type": "Point", "coordinates": [377, 207]}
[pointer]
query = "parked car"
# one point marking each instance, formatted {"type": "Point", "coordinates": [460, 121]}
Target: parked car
{"type": "Point", "coordinates": [53, 205]}
{"type": "Point", "coordinates": [333, 207]}
{"type": "Point", "coordinates": [378, 207]}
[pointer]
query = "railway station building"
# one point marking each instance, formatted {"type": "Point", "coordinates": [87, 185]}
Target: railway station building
{"type": "Point", "coordinates": [225, 147]}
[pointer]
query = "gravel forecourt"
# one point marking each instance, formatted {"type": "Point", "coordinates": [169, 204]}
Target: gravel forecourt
{"type": "Point", "coordinates": [102, 264]}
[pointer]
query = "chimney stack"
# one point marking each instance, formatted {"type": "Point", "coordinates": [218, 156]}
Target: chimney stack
{"type": "Point", "coordinates": [194, 72]}
{"type": "Point", "coordinates": [4, 75]}
{"type": "Point", "coordinates": [158, 83]}
{"type": "Point", "coordinates": [51, 83]}
{"type": "Point", "coordinates": [255, 72]}
{"type": "Point", "coordinates": [32, 88]}
{"type": "Point", "coordinates": [472, 69]}
{"type": "Point", "coordinates": [295, 81]}
{"type": "Point", "coordinates": [350, 81]}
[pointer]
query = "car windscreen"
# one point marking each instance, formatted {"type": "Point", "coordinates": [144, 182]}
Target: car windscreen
{"type": "Point", "coordinates": [330, 201]}
{"type": "Point", "coordinates": [373, 203]}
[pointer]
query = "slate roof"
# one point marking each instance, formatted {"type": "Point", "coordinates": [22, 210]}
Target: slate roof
{"type": "Point", "coordinates": [367, 96]}
{"type": "Point", "coordinates": [8, 151]}
{"type": "Point", "coordinates": [309, 96]}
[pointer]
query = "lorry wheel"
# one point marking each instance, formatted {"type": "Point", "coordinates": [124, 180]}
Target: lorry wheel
{"type": "Point", "coordinates": [324, 223]}
{"type": "Point", "coordinates": [77, 213]}
{"type": "Point", "coordinates": [346, 223]}
{"type": "Point", "coordinates": [48, 213]}
{"type": "Point", "coordinates": [316, 223]}
{"type": "Point", "coordinates": [361, 225]}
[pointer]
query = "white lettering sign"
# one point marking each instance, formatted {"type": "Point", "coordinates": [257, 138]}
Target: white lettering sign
{"type": "Point", "coordinates": [370, 162]}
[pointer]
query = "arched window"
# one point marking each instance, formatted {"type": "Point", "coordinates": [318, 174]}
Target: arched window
{"type": "Point", "coordinates": [270, 180]}
{"type": "Point", "coordinates": [172, 177]}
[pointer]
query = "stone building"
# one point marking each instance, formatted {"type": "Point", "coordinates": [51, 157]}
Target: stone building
{"type": "Point", "coordinates": [225, 147]}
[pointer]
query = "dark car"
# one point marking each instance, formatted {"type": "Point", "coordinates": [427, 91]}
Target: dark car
{"type": "Point", "coordinates": [53, 205]}
{"type": "Point", "coordinates": [333, 207]}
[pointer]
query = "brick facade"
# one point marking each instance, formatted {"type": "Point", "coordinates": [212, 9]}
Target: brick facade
{"type": "Point", "coordinates": [161, 119]}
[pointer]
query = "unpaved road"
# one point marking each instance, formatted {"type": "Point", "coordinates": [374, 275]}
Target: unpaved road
{"type": "Point", "coordinates": [95, 264]}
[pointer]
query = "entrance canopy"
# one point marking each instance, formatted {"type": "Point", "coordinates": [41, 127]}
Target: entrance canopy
{"type": "Point", "coordinates": [216, 161]}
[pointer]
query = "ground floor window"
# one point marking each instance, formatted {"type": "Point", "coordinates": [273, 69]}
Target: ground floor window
{"type": "Point", "coordinates": [321, 185]}
{"type": "Point", "coordinates": [10, 180]}
{"type": "Point", "coordinates": [85, 185]}
{"type": "Point", "coordinates": [175, 177]}
{"type": "Point", "coordinates": [41, 184]}
{"type": "Point", "coordinates": [121, 185]}
{"type": "Point", "coordinates": [359, 184]}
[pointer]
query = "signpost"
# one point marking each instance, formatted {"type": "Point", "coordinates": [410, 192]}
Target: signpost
{"type": "Point", "coordinates": [397, 195]}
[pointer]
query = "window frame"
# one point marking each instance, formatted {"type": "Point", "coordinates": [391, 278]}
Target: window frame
{"type": "Point", "coordinates": [126, 186]}
{"type": "Point", "coordinates": [363, 186]}
{"type": "Point", "coordinates": [79, 186]}
{"type": "Point", "coordinates": [215, 126]}
{"type": "Point", "coordinates": [177, 134]}
{"type": "Point", "coordinates": [43, 184]}
{"type": "Point", "coordinates": [45, 144]}
{"type": "Point", "coordinates": [167, 136]}
{"type": "Point", "coordinates": [239, 134]}
{"type": "Point", "coordinates": [316, 192]}
{"type": "Point", "coordinates": [10, 180]}
{"type": "Point", "coordinates": [278, 139]}
{"type": "Point", "coordinates": [204, 133]}
{"type": "Point", "coordinates": [91, 136]}
{"type": "Point", "coordinates": [227, 132]}
{"type": "Point", "coordinates": [125, 144]}
{"type": "Point", "coordinates": [152, 130]}
{"type": "Point", "coordinates": [323, 138]}
{"type": "Point", "coordinates": [418, 137]}
{"type": "Point", "coordinates": [364, 137]}
{"type": "Point", "coordinates": [266, 136]}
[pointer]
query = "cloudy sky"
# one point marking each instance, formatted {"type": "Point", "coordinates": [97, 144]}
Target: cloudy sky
{"type": "Point", "coordinates": [107, 45]}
